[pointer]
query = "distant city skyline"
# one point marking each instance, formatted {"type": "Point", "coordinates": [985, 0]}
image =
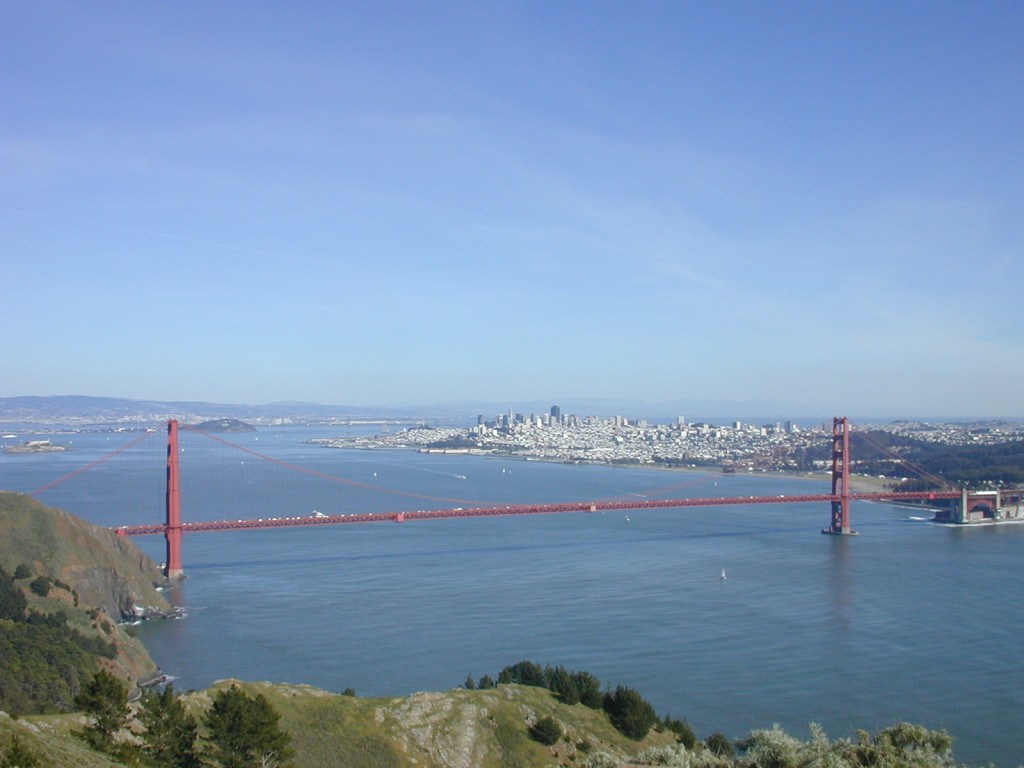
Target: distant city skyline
{"type": "Point", "coordinates": [405, 203]}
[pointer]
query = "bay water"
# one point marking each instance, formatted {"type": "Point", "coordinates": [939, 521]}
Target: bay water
{"type": "Point", "coordinates": [907, 621]}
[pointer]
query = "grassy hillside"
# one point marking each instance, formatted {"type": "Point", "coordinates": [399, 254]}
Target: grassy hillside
{"type": "Point", "coordinates": [473, 729]}
{"type": "Point", "coordinates": [486, 729]}
{"type": "Point", "coordinates": [491, 729]}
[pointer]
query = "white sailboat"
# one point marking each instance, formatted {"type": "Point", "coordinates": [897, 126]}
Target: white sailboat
{"type": "Point", "coordinates": [723, 574]}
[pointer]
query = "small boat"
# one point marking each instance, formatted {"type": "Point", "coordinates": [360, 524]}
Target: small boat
{"type": "Point", "coordinates": [723, 577]}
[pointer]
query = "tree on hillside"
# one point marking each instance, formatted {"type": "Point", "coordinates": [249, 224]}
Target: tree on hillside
{"type": "Point", "coordinates": [244, 731]}
{"type": "Point", "coordinates": [589, 688]}
{"type": "Point", "coordinates": [41, 586]}
{"type": "Point", "coordinates": [629, 712]}
{"type": "Point", "coordinates": [523, 673]}
{"type": "Point", "coordinates": [104, 699]}
{"type": "Point", "coordinates": [12, 600]}
{"type": "Point", "coordinates": [562, 684]}
{"type": "Point", "coordinates": [170, 737]}
{"type": "Point", "coordinates": [682, 729]}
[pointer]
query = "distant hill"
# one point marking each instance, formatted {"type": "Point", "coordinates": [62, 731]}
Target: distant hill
{"type": "Point", "coordinates": [79, 410]}
{"type": "Point", "coordinates": [225, 425]}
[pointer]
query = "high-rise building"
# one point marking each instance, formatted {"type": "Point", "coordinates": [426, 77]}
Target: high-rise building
{"type": "Point", "coordinates": [556, 414]}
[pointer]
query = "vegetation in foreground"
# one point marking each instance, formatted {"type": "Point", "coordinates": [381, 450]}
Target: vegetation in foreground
{"type": "Point", "coordinates": [508, 725]}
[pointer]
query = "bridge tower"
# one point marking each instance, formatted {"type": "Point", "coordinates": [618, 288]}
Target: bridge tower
{"type": "Point", "coordinates": [840, 524]}
{"type": "Point", "coordinates": [172, 526]}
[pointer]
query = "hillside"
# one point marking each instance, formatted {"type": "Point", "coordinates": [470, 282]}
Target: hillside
{"type": "Point", "coordinates": [225, 425]}
{"type": "Point", "coordinates": [491, 729]}
{"type": "Point", "coordinates": [455, 729]}
{"type": "Point", "coordinates": [66, 586]}
{"type": "Point", "coordinates": [106, 570]}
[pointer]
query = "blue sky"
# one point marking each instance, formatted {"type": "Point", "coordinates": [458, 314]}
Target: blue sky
{"type": "Point", "coordinates": [404, 203]}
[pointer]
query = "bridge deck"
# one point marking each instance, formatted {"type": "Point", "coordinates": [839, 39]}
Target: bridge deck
{"type": "Point", "coordinates": [526, 509]}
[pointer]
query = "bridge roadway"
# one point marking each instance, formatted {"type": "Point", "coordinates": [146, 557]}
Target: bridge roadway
{"type": "Point", "coordinates": [526, 509]}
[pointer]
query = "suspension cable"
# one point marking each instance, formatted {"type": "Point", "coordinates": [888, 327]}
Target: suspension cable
{"type": "Point", "coordinates": [91, 464]}
{"type": "Point", "coordinates": [326, 476]}
{"type": "Point", "coordinates": [891, 454]}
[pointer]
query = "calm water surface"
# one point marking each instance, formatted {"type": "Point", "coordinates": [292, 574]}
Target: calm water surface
{"type": "Point", "coordinates": [907, 621]}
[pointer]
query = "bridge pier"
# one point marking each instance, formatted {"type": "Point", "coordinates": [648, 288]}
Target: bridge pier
{"type": "Point", "coordinates": [172, 525]}
{"type": "Point", "coordinates": [979, 505]}
{"type": "Point", "coordinates": [840, 523]}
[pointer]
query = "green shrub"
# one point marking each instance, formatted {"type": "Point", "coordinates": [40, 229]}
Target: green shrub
{"type": "Point", "coordinates": [683, 731]}
{"type": "Point", "coordinates": [773, 748]}
{"type": "Point", "coordinates": [674, 757]}
{"type": "Point", "coordinates": [41, 586]}
{"type": "Point", "coordinates": [547, 731]}
{"type": "Point", "coordinates": [18, 755]}
{"type": "Point", "coordinates": [719, 745]}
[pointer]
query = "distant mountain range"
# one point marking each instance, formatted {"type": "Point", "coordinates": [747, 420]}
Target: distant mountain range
{"type": "Point", "coordinates": [78, 409]}
{"type": "Point", "coordinates": [86, 410]}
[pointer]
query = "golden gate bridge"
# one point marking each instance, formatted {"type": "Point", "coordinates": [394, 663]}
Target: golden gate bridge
{"type": "Point", "coordinates": [839, 499]}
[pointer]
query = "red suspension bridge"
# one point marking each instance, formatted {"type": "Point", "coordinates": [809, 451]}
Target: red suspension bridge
{"type": "Point", "coordinates": [839, 498]}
